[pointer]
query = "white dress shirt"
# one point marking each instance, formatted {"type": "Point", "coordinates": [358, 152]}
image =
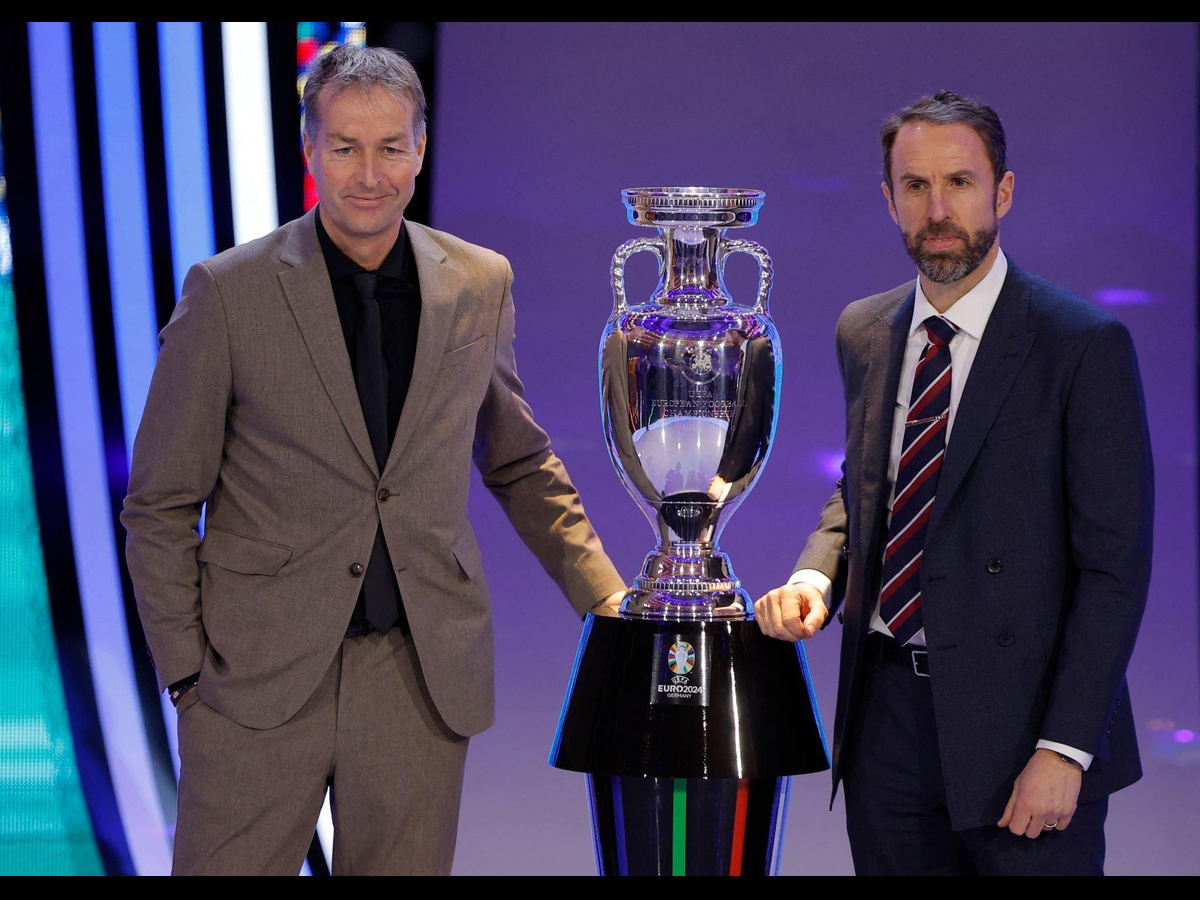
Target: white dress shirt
{"type": "Point", "coordinates": [969, 314]}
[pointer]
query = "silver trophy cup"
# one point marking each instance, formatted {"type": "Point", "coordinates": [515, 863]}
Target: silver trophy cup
{"type": "Point", "coordinates": [689, 385]}
{"type": "Point", "coordinates": [688, 720]}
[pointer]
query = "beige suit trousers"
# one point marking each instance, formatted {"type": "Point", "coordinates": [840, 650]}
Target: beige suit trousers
{"type": "Point", "coordinates": [249, 798]}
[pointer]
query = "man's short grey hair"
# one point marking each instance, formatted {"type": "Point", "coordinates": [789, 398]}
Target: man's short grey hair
{"type": "Point", "coordinates": [949, 108]}
{"type": "Point", "coordinates": [366, 67]}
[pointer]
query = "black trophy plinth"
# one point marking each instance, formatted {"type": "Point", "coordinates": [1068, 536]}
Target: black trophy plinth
{"type": "Point", "coordinates": [689, 731]}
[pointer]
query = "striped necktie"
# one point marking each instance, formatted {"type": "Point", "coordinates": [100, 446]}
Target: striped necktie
{"type": "Point", "coordinates": [916, 483]}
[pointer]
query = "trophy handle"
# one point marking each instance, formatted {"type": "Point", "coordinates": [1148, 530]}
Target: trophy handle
{"type": "Point", "coordinates": [655, 245]}
{"type": "Point", "coordinates": [766, 268]}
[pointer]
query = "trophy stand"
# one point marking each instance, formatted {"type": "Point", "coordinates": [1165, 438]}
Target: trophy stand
{"type": "Point", "coordinates": [687, 720]}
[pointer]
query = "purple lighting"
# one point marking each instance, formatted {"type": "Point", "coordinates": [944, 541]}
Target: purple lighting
{"type": "Point", "coordinates": [1119, 296]}
{"type": "Point", "coordinates": [1184, 736]}
{"type": "Point", "coordinates": [830, 462]}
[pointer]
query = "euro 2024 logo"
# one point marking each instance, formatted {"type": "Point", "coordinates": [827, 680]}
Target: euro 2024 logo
{"type": "Point", "coordinates": [682, 659]}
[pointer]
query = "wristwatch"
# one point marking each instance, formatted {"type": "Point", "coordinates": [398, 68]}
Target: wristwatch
{"type": "Point", "coordinates": [181, 687]}
{"type": "Point", "coordinates": [1072, 762]}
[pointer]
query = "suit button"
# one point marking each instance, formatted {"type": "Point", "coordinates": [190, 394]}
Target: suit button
{"type": "Point", "coordinates": [1005, 639]}
{"type": "Point", "coordinates": [994, 566]}
{"type": "Point", "coordinates": [356, 570]}
{"type": "Point", "coordinates": [841, 618]}
{"type": "Point", "coordinates": [383, 496]}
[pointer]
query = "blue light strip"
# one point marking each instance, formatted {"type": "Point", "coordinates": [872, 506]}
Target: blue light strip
{"type": "Point", "coordinates": [189, 186]}
{"type": "Point", "coordinates": [127, 222]}
{"type": "Point", "coordinates": [185, 136]}
{"type": "Point", "coordinates": [80, 429]}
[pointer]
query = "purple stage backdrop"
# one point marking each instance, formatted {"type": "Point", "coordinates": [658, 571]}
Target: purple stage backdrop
{"type": "Point", "coordinates": [538, 127]}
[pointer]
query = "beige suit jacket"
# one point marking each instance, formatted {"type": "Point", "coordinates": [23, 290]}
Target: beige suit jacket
{"type": "Point", "coordinates": [253, 410]}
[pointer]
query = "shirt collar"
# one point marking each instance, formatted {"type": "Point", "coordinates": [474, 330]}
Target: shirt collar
{"type": "Point", "coordinates": [970, 313]}
{"type": "Point", "coordinates": [342, 266]}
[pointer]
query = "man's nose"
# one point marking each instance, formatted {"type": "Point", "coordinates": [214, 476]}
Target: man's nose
{"type": "Point", "coordinates": [939, 209]}
{"type": "Point", "coordinates": [368, 171]}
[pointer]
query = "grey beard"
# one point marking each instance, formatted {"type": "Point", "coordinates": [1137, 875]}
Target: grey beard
{"type": "Point", "coordinates": [947, 268]}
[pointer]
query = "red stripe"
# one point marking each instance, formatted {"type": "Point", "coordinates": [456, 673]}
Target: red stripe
{"type": "Point", "coordinates": [907, 532]}
{"type": "Point", "coordinates": [907, 493]}
{"type": "Point", "coordinates": [925, 355]}
{"type": "Point", "coordinates": [921, 442]}
{"type": "Point", "coordinates": [934, 390]}
{"type": "Point", "coordinates": [912, 566]}
{"type": "Point", "coordinates": [739, 827]}
{"type": "Point", "coordinates": [913, 606]}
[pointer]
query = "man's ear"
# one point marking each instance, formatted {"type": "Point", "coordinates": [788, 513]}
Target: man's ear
{"type": "Point", "coordinates": [421, 153]}
{"type": "Point", "coordinates": [309, 150]}
{"type": "Point", "coordinates": [887, 192]}
{"type": "Point", "coordinates": [1004, 194]}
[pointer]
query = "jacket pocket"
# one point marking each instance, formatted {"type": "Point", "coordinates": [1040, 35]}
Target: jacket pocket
{"type": "Point", "coordinates": [466, 551]}
{"type": "Point", "coordinates": [187, 703]}
{"type": "Point", "coordinates": [460, 355]}
{"type": "Point", "coordinates": [238, 553]}
{"type": "Point", "coordinates": [1007, 430]}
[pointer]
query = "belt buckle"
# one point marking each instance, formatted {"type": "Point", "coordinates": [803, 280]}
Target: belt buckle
{"type": "Point", "coordinates": [916, 668]}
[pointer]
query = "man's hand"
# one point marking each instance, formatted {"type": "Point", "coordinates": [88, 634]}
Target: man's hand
{"type": "Point", "coordinates": [184, 694]}
{"type": "Point", "coordinates": [611, 602]}
{"type": "Point", "coordinates": [717, 487]}
{"type": "Point", "coordinates": [1045, 793]}
{"type": "Point", "coordinates": [794, 612]}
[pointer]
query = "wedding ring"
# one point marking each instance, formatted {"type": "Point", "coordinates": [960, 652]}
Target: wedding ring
{"type": "Point", "coordinates": [1050, 826]}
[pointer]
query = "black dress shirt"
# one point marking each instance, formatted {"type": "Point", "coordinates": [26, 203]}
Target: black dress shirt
{"type": "Point", "coordinates": [399, 295]}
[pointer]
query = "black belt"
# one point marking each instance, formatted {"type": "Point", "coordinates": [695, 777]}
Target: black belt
{"type": "Point", "coordinates": [886, 649]}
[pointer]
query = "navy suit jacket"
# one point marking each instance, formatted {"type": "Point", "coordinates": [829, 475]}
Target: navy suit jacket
{"type": "Point", "coordinates": [1048, 479]}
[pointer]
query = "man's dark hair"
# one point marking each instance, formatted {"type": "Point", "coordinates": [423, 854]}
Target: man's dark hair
{"type": "Point", "coordinates": [948, 108]}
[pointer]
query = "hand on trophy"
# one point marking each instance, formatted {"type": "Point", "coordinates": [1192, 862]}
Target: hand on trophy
{"type": "Point", "coordinates": [793, 612]}
{"type": "Point", "coordinates": [610, 604]}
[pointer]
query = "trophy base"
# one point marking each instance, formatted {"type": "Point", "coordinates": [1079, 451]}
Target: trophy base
{"type": "Point", "coordinates": [688, 732]}
{"type": "Point", "coordinates": [687, 582]}
{"type": "Point", "coordinates": [688, 699]}
{"type": "Point", "coordinates": [687, 826]}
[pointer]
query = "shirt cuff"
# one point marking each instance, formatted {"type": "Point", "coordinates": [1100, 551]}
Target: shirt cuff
{"type": "Point", "coordinates": [1084, 759]}
{"type": "Point", "coordinates": [817, 579]}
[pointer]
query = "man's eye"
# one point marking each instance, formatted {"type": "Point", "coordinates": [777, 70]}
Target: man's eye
{"type": "Point", "coordinates": [343, 151]}
{"type": "Point", "coordinates": [961, 182]}
{"type": "Point", "coordinates": [391, 151]}
{"type": "Point", "coordinates": [915, 185]}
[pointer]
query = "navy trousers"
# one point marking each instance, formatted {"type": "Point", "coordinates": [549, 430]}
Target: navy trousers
{"type": "Point", "coordinates": [896, 811]}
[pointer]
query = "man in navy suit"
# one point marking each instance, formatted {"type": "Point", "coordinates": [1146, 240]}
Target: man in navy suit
{"type": "Point", "coordinates": [990, 537]}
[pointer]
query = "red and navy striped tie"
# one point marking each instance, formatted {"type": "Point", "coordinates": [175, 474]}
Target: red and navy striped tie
{"type": "Point", "coordinates": [916, 483]}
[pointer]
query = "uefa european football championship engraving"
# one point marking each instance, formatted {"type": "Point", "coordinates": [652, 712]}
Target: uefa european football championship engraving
{"type": "Point", "coordinates": [686, 718]}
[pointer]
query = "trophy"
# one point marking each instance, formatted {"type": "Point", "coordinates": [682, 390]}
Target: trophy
{"type": "Point", "coordinates": [687, 720]}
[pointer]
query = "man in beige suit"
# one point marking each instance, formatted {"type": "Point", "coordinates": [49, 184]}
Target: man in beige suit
{"type": "Point", "coordinates": [324, 389]}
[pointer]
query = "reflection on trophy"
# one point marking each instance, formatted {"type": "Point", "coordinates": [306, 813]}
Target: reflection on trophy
{"type": "Point", "coordinates": [686, 718]}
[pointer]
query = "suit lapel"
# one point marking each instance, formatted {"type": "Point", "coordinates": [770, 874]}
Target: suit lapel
{"type": "Point", "coordinates": [309, 293]}
{"type": "Point", "coordinates": [441, 285]}
{"type": "Point", "coordinates": [1002, 351]}
{"type": "Point", "coordinates": [881, 386]}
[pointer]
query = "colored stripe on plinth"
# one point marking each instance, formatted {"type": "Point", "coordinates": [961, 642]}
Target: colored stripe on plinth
{"type": "Point", "coordinates": [739, 827]}
{"type": "Point", "coordinates": [679, 828]}
{"type": "Point", "coordinates": [619, 821]}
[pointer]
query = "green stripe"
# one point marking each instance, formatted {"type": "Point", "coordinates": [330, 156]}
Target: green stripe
{"type": "Point", "coordinates": [45, 828]}
{"type": "Point", "coordinates": [679, 828]}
